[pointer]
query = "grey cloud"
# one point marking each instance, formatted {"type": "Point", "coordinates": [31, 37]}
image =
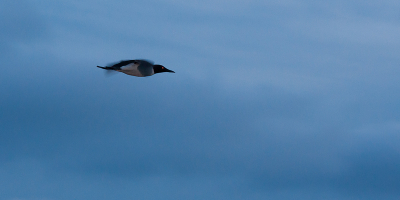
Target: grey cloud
{"type": "Point", "coordinates": [21, 22]}
{"type": "Point", "coordinates": [254, 112]}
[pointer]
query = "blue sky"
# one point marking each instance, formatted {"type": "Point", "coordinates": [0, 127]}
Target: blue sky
{"type": "Point", "coordinates": [270, 100]}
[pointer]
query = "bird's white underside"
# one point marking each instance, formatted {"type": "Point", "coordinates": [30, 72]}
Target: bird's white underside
{"type": "Point", "coordinates": [132, 69]}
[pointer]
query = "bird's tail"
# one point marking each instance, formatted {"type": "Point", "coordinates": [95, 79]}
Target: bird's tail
{"type": "Point", "coordinates": [107, 68]}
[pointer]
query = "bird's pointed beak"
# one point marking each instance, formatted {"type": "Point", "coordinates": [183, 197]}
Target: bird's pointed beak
{"type": "Point", "coordinates": [167, 70]}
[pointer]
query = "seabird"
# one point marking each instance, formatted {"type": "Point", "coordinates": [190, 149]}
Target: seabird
{"type": "Point", "coordinates": [140, 68]}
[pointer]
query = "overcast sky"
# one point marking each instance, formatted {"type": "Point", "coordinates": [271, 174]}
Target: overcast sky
{"type": "Point", "coordinates": [270, 100]}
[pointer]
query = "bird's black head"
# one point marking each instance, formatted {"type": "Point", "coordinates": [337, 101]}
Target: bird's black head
{"type": "Point", "coordinates": [160, 68]}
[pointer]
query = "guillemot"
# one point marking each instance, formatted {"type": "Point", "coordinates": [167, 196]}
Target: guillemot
{"type": "Point", "coordinates": [140, 68]}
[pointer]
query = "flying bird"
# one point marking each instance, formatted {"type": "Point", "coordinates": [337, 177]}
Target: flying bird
{"type": "Point", "coordinates": [140, 68]}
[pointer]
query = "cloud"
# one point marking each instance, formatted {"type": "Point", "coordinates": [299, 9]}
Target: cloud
{"type": "Point", "coordinates": [259, 108]}
{"type": "Point", "coordinates": [355, 30]}
{"type": "Point", "coordinates": [342, 22]}
{"type": "Point", "coordinates": [20, 23]}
